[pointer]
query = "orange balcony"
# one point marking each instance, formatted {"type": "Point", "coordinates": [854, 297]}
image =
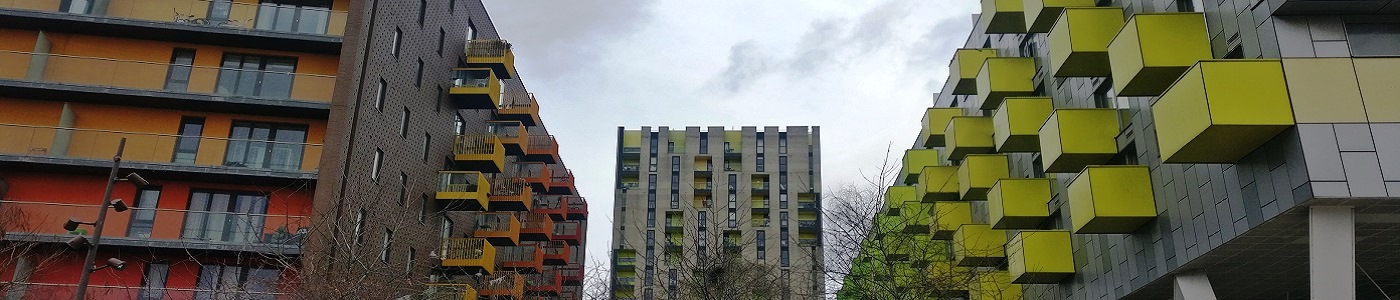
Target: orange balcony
{"type": "Point", "coordinates": [509, 285]}
{"type": "Point", "coordinates": [536, 227]}
{"type": "Point", "coordinates": [535, 174]}
{"type": "Point", "coordinates": [568, 231]}
{"type": "Point", "coordinates": [462, 190]}
{"type": "Point", "coordinates": [167, 150]}
{"type": "Point", "coordinates": [543, 148]}
{"type": "Point", "coordinates": [493, 54]}
{"type": "Point", "coordinates": [573, 275]}
{"type": "Point", "coordinates": [471, 255]}
{"type": "Point", "coordinates": [556, 253]}
{"type": "Point", "coordinates": [509, 193]}
{"type": "Point", "coordinates": [524, 259]}
{"type": "Point", "coordinates": [512, 134]}
{"type": "Point", "coordinates": [520, 107]}
{"type": "Point", "coordinates": [578, 208]}
{"type": "Point", "coordinates": [480, 152]}
{"type": "Point", "coordinates": [561, 179]}
{"type": "Point", "coordinates": [547, 283]}
{"type": "Point", "coordinates": [179, 228]}
{"type": "Point", "coordinates": [549, 205]}
{"type": "Point", "coordinates": [499, 228]}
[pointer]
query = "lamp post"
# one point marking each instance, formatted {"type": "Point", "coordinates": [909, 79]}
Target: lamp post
{"type": "Point", "coordinates": [107, 201]}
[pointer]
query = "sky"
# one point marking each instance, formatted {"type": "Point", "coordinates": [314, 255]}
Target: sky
{"type": "Point", "coordinates": [863, 70]}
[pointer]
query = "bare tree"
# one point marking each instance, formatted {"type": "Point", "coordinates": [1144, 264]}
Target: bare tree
{"type": "Point", "coordinates": [595, 281]}
{"type": "Point", "coordinates": [20, 253]}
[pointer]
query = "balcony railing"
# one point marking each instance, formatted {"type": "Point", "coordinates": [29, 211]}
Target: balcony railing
{"type": "Point", "coordinates": [203, 13]}
{"type": "Point", "coordinates": [631, 168]}
{"type": "Point", "coordinates": [503, 284]}
{"type": "Point", "coordinates": [169, 77]}
{"type": "Point", "coordinates": [178, 228]}
{"type": "Point", "coordinates": [449, 292]}
{"type": "Point", "coordinates": [68, 142]}
{"type": "Point", "coordinates": [809, 224]}
{"type": "Point", "coordinates": [487, 48]}
{"type": "Point", "coordinates": [461, 182]}
{"type": "Point", "coordinates": [34, 290]}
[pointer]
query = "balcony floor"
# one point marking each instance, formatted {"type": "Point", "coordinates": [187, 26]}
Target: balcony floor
{"type": "Point", "coordinates": [170, 32]}
{"type": "Point", "coordinates": [24, 89]}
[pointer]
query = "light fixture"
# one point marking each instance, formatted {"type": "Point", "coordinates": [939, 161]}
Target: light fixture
{"type": "Point", "coordinates": [119, 205]}
{"type": "Point", "coordinates": [116, 263]}
{"type": "Point", "coordinates": [77, 242]}
{"type": "Point", "coordinates": [71, 225]}
{"type": "Point", "coordinates": [136, 179]}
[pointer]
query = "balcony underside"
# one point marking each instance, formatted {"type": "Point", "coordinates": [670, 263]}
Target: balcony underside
{"type": "Point", "coordinates": [170, 246]}
{"type": "Point", "coordinates": [169, 32]}
{"type": "Point", "coordinates": [508, 204]}
{"type": "Point", "coordinates": [463, 98]}
{"type": "Point", "coordinates": [485, 163]}
{"type": "Point", "coordinates": [22, 89]}
{"type": "Point", "coordinates": [535, 236]}
{"type": "Point", "coordinates": [522, 267]}
{"type": "Point", "coordinates": [453, 201]}
{"type": "Point", "coordinates": [212, 174]}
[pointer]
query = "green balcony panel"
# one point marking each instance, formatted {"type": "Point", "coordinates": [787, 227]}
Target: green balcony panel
{"type": "Point", "coordinates": [969, 135]}
{"type": "Point", "coordinates": [1111, 199]}
{"type": "Point", "coordinates": [978, 245]}
{"type": "Point", "coordinates": [1222, 110]}
{"type": "Point", "coordinates": [897, 195]}
{"type": "Point", "coordinates": [939, 183]}
{"type": "Point", "coordinates": [918, 216]}
{"type": "Point", "coordinates": [888, 224]}
{"type": "Point", "coordinates": [1154, 49]}
{"type": "Point", "coordinates": [915, 160]}
{"type": "Point", "coordinates": [1040, 257]}
{"type": "Point", "coordinates": [1079, 42]}
{"type": "Point", "coordinates": [1003, 77]}
{"type": "Point", "coordinates": [948, 216]}
{"type": "Point", "coordinates": [993, 285]}
{"type": "Point", "coordinates": [1018, 203]}
{"type": "Point", "coordinates": [947, 277]}
{"type": "Point", "coordinates": [1077, 137]}
{"type": "Point", "coordinates": [1016, 124]}
{"type": "Point", "coordinates": [979, 172]}
{"type": "Point", "coordinates": [1041, 14]}
{"type": "Point", "coordinates": [1003, 17]}
{"type": "Point", "coordinates": [936, 120]}
{"type": "Point", "coordinates": [962, 71]}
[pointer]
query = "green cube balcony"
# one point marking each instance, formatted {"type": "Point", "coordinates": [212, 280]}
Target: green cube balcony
{"type": "Point", "coordinates": [1003, 77]}
{"type": "Point", "coordinates": [895, 196]}
{"type": "Point", "coordinates": [887, 224]}
{"type": "Point", "coordinates": [979, 172]}
{"type": "Point", "coordinates": [1040, 257]}
{"type": "Point", "coordinates": [1002, 17]}
{"type": "Point", "coordinates": [969, 135]}
{"type": "Point", "coordinates": [1079, 42]}
{"type": "Point", "coordinates": [918, 216]}
{"type": "Point", "coordinates": [978, 245]}
{"type": "Point", "coordinates": [948, 216]}
{"type": "Point", "coordinates": [1077, 137]}
{"type": "Point", "coordinates": [938, 183]}
{"type": "Point", "coordinates": [1221, 110]}
{"type": "Point", "coordinates": [1111, 200]}
{"type": "Point", "coordinates": [964, 68]}
{"type": "Point", "coordinates": [993, 285]}
{"type": "Point", "coordinates": [915, 160]}
{"type": "Point", "coordinates": [1019, 203]}
{"type": "Point", "coordinates": [1154, 49]}
{"type": "Point", "coordinates": [1041, 14]}
{"type": "Point", "coordinates": [935, 121]}
{"type": "Point", "coordinates": [1016, 124]}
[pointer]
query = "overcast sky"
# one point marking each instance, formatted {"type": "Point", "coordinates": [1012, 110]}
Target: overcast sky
{"type": "Point", "coordinates": [863, 70]}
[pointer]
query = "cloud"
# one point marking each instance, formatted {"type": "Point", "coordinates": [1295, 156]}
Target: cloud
{"type": "Point", "coordinates": [747, 63]}
{"type": "Point", "coordinates": [566, 35]}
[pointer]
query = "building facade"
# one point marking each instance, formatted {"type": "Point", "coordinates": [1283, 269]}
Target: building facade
{"type": "Point", "coordinates": [1140, 149]}
{"type": "Point", "coordinates": [700, 199]}
{"type": "Point", "coordinates": [294, 149]}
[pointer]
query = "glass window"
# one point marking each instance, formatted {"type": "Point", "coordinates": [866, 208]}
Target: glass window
{"type": "Point", "coordinates": [181, 64]}
{"type": "Point", "coordinates": [704, 142]}
{"type": "Point", "coordinates": [300, 16]}
{"type": "Point", "coordinates": [422, 11]}
{"type": "Point", "coordinates": [471, 31]}
{"type": "Point", "coordinates": [418, 81]}
{"type": "Point", "coordinates": [446, 231]}
{"type": "Point", "coordinates": [265, 146]}
{"type": "Point", "coordinates": [236, 282]}
{"type": "Point", "coordinates": [360, 228]}
{"type": "Point", "coordinates": [226, 216]}
{"type": "Point", "coordinates": [1374, 39]}
{"type": "Point", "coordinates": [76, 6]}
{"type": "Point", "coordinates": [397, 42]}
{"type": "Point", "coordinates": [759, 164]}
{"type": "Point", "coordinates": [219, 11]}
{"type": "Point", "coordinates": [442, 39]}
{"type": "Point", "coordinates": [403, 122]}
{"type": "Point", "coordinates": [379, 92]}
{"type": "Point", "coordinates": [256, 76]}
{"type": "Point", "coordinates": [143, 213]}
{"type": "Point", "coordinates": [427, 141]}
{"type": "Point", "coordinates": [187, 145]}
{"type": "Point", "coordinates": [384, 246]}
{"type": "Point", "coordinates": [374, 167]}
{"type": "Point", "coordinates": [403, 188]}
{"type": "Point", "coordinates": [412, 259]}
{"type": "Point", "coordinates": [153, 281]}
{"type": "Point", "coordinates": [782, 143]}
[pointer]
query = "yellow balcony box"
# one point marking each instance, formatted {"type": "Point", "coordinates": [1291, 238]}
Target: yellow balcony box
{"type": "Point", "coordinates": [1041, 14]}
{"type": "Point", "coordinates": [969, 135]}
{"type": "Point", "coordinates": [978, 245]}
{"type": "Point", "coordinates": [935, 121]}
{"type": "Point", "coordinates": [480, 152]}
{"type": "Point", "coordinates": [1040, 257]}
{"type": "Point", "coordinates": [917, 216]}
{"type": "Point", "coordinates": [979, 172]}
{"type": "Point", "coordinates": [1003, 77]}
{"type": "Point", "coordinates": [1154, 49]}
{"type": "Point", "coordinates": [1016, 124]}
{"type": "Point", "coordinates": [964, 68]}
{"type": "Point", "coordinates": [1221, 110]}
{"type": "Point", "coordinates": [915, 160]}
{"type": "Point", "coordinates": [471, 254]}
{"type": "Point", "coordinates": [475, 88]}
{"type": "Point", "coordinates": [1003, 17]}
{"type": "Point", "coordinates": [947, 277]}
{"type": "Point", "coordinates": [993, 285]}
{"type": "Point", "coordinates": [897, 195]}
{"type": "Point", "coordinates": [1111, 199]}
{"type": "Point", "coordinates": [1077, 137]}
{"type": "Point", "coordinates": [1018, 203]}
{"type": "Point", "coordinates": [494, 54]}
{"type": "Point", "coordinates": [948, 216]}
{"type": "Point", "coordinates": [938, 183]}
{"type": "Point", "coordinates": [463, 190]}
{"type": "Point", "coordinates": [1079, 42]}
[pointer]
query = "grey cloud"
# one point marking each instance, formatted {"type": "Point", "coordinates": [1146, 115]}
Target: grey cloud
{"type": "Point", "coordinates": [816, 48]}
{"type": "Point", "coordinates": [873, 29]}
{"type": "Point", "coordinates": [935, 48]}
{"type": "Point", "coordinates": [567, 35]}
{"type": "Point", "coordinates": [746, 62]}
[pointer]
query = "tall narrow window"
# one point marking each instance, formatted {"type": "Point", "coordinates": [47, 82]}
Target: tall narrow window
{"type": "Point", "coordinates": [423, 208]}
{"type": "Point", "coordinates": [360, 227]}
{"type": "Point", "coordinates": [379, 92]}
{"type": "Point", "coordinates": [219, 11]}
{"type": "Point", "coordinates": [427, 141]}
{"type": "Point", "coordinates": [471, 31]}
{"type": "Point", "coordinates": [442, 39]}
{"type": "Point", "coordinates": [256, 76]}
{"type": "Point", "coordinates": [299, 16]}
{"type": "Point", "coordinates": [446, 231]}
{"type": "Point", "coordinates": [181, 64]}
{"type": "Point", "coordinates": [704, 142]}
{"type": "Point", "coordinates": [412, 259]}
{"type": "Point", "coordinates": [782, 143]}
{"type": "Point", "coordinates": [187, 145]}
{"type": "Point", "coordinates": [265, 146]}
{"type": "Point", "coordinates": [422, 12]}
{"type": "Point", "coordinates": [374, 166]}
{"type": "Point", "coordinates": [403, 188]}
{"type": "Point", "coordinates": [225, 216]}
{"type": "Point", "coordinates": [153, 281]}
{"type": "Point", "coordinates": [384, 246]}
{"type": "Point", "coordinates": [403, 123]}
{"type": "Point", "coordinates": [398, 42]}
{"type": "Point", "coordinates": [418, 81]}
{"type": "Point", "coordinates": [143, 213]}
{"type": "Point", "coordinates": [236, 282]}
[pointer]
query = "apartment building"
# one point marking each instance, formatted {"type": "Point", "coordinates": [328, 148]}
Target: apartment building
{"type": "Point", "coordinates": [293, 149]}
{"type": "Point", "coordinates": [689, 200]}
{"type": "Point", "coordinates": [1150, 148]}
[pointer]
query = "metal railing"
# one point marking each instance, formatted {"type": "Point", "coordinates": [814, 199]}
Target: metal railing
{"type": "Point", "coordinates": [503, 283]}
{"type": "Point", "coordinates": [171, 77]}
{"type": "Point", "coordinates": [506, 129]}
{"type": "Point", "coordinates": [631, 149]}
{"type": "Point", "coordinates": [509, 186]}
{"type": "Point", "coordinates": [204, 13]}
{"type": "Point", "coordinates": [566, 228]}
{"type": "Point", "coordinates": [459, 181]}
{"type": "Point", "coordinates": [38, 290]}
{"type": "Point", "coordinates": [487, 48]}
{"type": "Point", "coordinates": [809, 223]}
{"type": "Point", "coordinates": [576, 204]}
{"type": "Point", "coordinates": [542, 144]}
{"type": "Point", "coordinates": [496, 222]}
{"type": "Point", "coordinates": [466, 248]}
{"type": "Point", "coordinates": [482, 144]}
{"type": "Point", "coordinates": [519, 253]}
{"type": "Point", "coordinates": [471, 78]}
{"type": "Point", "coordinates": [195, 227]}
{"type": "Point", "coordinates": [441, 291]}
{"type": "Point", "coordinates": [69, 142]}
{"type": "Point", "coordinates": [631, 168]}
{"type": "Point", "coordinates": [537, 223]}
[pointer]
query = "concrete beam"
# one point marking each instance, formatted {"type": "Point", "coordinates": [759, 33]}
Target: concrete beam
{"type": "Point", "coordinates": [1332, 252]}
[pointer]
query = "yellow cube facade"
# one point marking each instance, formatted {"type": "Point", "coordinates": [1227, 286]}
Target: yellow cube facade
{"type": "Point", "coordinates": [1041, 14]}
{"type": "Point", "coordinates": [1016, 124]}
{"type": "Point", "coordinates": [969, 135]}
{"type": "Point", "coordinates": [938, 183]}
{"type": "Point", "coordinates": [1079, 41]}
{"type": "Point", "coordinates": [978, 245]}
{"type": "Point", "coordinates": [936, 120]}
{"type": "Point", "coordinates": [964, 68]}
{"type": "Point", "coordinates": [1003, 77]}
{"type": "Point", "coordinates": [895, 196]}
{"type": "Point", "coordinates": [979, 172]}
{"type": "Point", "coordinates": [1078, 137]}
{"type": "Point", "coordinates": [1040, 257]}
{"type": "Point", "coordinates": [1019, 203]}
{"type": "Point", "coordinates": [1002, 17]}
{"type": "Point", "coordinates": [1154, 49]}
{"type": "Point", "coordinates": [993, 285]}
{"type": "Point", "coordinates": [915, 160]}
{"type": "Point", "coordinates": [1221, 110]}
{"type": "Point", "coordinates": [1111, 200]}
{"type": "Point", "coordinates": [948, 216]}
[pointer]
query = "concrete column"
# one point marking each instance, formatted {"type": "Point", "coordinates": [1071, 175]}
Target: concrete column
{"type": "Point", "coordinates": [39, 60]}
{"type": "Point", "coordinates": [24, 266]}
{"type": "Point", "coordinates": [62, 137]}
{"type": "Point", "coordinates": [1332, 252]}
{"type": "Point", "coordinates": [1193, 286]}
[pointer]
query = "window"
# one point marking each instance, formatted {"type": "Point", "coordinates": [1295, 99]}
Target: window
{"type": "Point", "coordinates": [143, 213]}
{"type": "Point", "coordinates": [225, 216]}
{"type": "Point", "coordinates": [782, 143]}
{"type": "Point", "coordinates": [1104, 96]}
{"type": "Point", "coordinates": [471, 31]}
{"type": "Point", "coordinates": [236, 282]}
{"type": "Point", "coordinates": [704, 142]}
{"type": "Point", "coordinates": [446, 231]}
{"type": "Point", "coordinates": [442, 39]}
{"type": "Point", "coordinates": [181, 64]}
{"type": "Point", "coordinates": [300, 16]}
{"type": "Point", "coordinates": [782, 164]}
{"type": "Point", "coordinates": [379, 92]}
{"type": "Point", "coordinates": [733, 219]}
{"type": "Point", "coordinates": [403, 188]}
{"type": "Point", "coordinates": [783, 219]}
{"type": "Point", "coordinates": [427, 141]}
{"type": "Point", "coordinates": [759, 147]}
{"type": "Point", "coordinates": [374, 166]}
{"type": "Point", "coordinates": [423, 207]}
{"type": "Point", "coordinates": [403, 123]}
{"type": "Point", "coordinates": [219, 11]}
{"type": "Point", "coordinates": [360, 228]}
{"type": "Point", "coordinates": [441, 98]}
{"type": "Point", "coordinates": [653, 164]}
{"type": "Point", "coordinates": [761, 241]}
{"type": "Point", "coordinates": [422, 11]}
{"type": "Point", "coordinates": [451, 6]}
{"type": "Point", "coordinates": [77, 6]}
{"type": "Point", "coordinates": [1185, 5]}
{"type": "Point", "coordinates": [153, 281]}
{"type": "Point", "coordinates": [759, 163]}
{"type": "Point", "coordinates": [384, 246]}
{"type": "Point", "coordinates": [459, 126]}
{"type": "Point", "coordinates": [418, 81]}
{"type": "Point", "coordinates": [256, 76]}
{"type": "Point", "coordinates": [412, 259]}
{"type": "Point", "coordinates": [265, 146]}
{"type": "Point", "coordinates": [670, 147]}
{"type": "Point", "coordinates": [1374, 38]}
{"type": "Point", "coordinates": [187, 145]}
{"type": "Point", "coordinates": [782, 201]}
{"type": "Point", "coordinates": [397, 43]}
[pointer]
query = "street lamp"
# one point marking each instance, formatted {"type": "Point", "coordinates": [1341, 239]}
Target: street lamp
{"type": "Point", "coordinates": [118, 205]}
